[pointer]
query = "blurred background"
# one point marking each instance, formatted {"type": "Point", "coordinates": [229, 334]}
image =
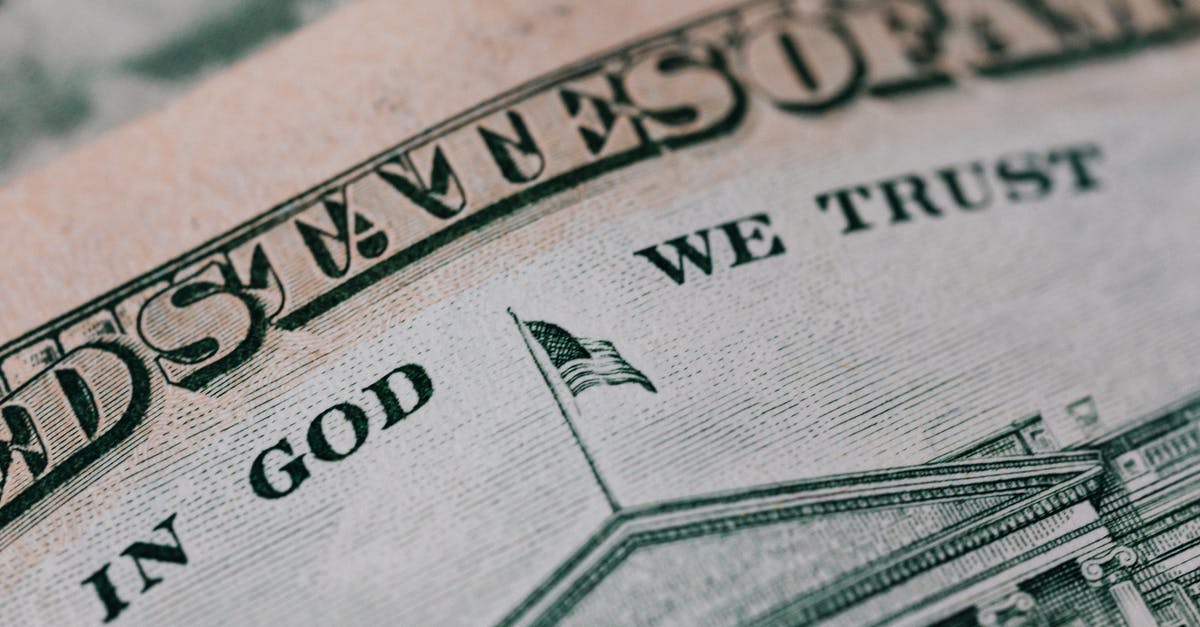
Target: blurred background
{"type": "Point", "coordinates": [72, 69]}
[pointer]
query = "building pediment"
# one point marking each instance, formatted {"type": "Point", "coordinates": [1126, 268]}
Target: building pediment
{"type": "Point", "coordinates": [806, 551]}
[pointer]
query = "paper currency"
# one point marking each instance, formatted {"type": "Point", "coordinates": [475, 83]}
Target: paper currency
{"type": "Point", "coordinates": [845, 313]}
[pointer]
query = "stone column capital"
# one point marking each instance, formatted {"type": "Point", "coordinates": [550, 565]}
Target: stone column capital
{"type": "Point", "coordinates": [1016, 608]}
{"type": "Point", "coordinates": [1108, 566]}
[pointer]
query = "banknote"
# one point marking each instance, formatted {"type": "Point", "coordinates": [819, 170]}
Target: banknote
{"type": "Point", "coordinates": [707, 312]}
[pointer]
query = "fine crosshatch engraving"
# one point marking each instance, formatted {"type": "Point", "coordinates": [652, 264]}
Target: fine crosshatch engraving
{"type": "Point", "coordinates": [781, 312]}
{"type": "Point", "coordinates": [1064, 531]}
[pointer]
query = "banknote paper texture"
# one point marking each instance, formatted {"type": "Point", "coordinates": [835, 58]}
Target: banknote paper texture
{"type": "Point", "coordinates": [778, 313]}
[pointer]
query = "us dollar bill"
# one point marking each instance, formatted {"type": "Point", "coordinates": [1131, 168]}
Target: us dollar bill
{"type": "Point", "coordinates": [684, 313]}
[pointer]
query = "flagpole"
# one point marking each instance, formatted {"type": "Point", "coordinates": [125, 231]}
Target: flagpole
{"type": "Point", "coordinates": [565, 405]}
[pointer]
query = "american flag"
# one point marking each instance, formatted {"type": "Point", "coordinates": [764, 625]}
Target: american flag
{"type": "Point", "coordinates": [584, 362]}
